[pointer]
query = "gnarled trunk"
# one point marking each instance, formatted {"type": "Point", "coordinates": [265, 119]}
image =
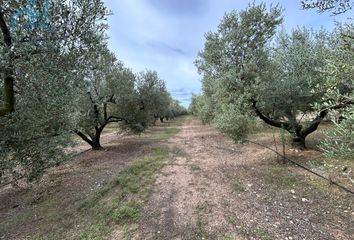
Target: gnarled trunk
{"type": "Point", "coordinates": [298, 142]}
{"type": "Point", "coordinates": [9, 96]}
{"type": "Point", "coordinates": [298, 131]}
{"type": "Point", "coordinates": [96, 145]}
{"type": "Point", "coordinates": [93, 140]}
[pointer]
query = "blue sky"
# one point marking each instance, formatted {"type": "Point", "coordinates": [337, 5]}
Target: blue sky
{"type": "Point", "coordinates": [166, 35]}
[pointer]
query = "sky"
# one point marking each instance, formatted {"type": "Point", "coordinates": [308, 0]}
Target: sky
{"type": "Point", "coordinates": [166, 35]}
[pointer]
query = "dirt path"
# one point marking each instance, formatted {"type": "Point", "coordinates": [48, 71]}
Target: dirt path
{"type": "Point", "coordinates": [211, 192]}
{"type": "Point", "coordinates": [200, 186]}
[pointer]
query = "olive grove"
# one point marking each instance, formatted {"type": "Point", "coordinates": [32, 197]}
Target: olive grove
{"type": "Point", "coordinates": [59, 78]}
{"type": "Point", "coordinates": [253, 69]}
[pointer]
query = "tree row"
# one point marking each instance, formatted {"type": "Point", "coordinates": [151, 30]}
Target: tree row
{"type": "Point", "coordinates": [60, 78]}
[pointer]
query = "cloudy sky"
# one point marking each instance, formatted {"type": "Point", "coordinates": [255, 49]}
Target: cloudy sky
{"type": "Point", "coordinates": [166, 35]}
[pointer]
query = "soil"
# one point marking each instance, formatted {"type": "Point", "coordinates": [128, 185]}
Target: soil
{"type": "Point", "coordinates": [63, 187]}
{"type": "Point", "coordinates": [216, 189]}
{"type": "Point", "coordinates": [211, 188]}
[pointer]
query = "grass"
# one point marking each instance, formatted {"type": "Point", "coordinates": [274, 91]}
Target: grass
{"type": "Point", "coordinates": [263, 234]}
{"type": "Point", "coordinates": [120, 202]}
{"type": "Point", "coordinates": [281, 176]}
{"type": "Point", "coordinates": [312, 140]}
{"type": "Point", "coordinates": [238, 186]}
{"type": "Point", "coordinates": [201, 208]}
{"type": "Point", "coordinates": [128, 212]}
{"type": "Point", "coordinates": [315, 138]}
{"type": "Point", "coordinates": [227, 238]}
{"type": "Point", "coordinates": [199, 231]}
{"type": "Point", "coordinates": [337, 168]}
{"type": "Point", "coordinates": [165, 130]}
{"type": "Point", "coordinates": [116, 204]}
{"type": "Point", "coordinates": [165, 134]}
{"type": "Point", "coordinates": [255, 233]}
{"type": "Point", "coordinates": [232, 220]}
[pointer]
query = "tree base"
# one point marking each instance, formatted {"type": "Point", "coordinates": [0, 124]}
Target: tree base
{"type": "Point", "coordinates": [298, 143]}
{"type": "Point", "coordinates": [97, 148]}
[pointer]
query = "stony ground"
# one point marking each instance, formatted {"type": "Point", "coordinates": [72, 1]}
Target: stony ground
{"type": "Point", "coordinates": [208, 188]}
{"type": "Point", "coordinates": [215, 189]}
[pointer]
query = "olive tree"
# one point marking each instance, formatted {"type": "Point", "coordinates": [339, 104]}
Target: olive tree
{"type": "Point", "coordinates": [289, 99]}
{"type": "Point", "coordinates": [176, 109]}
{"type": "Point", "coordinates": [113, 93]}
{"type": "Point", "coordinates": [201, 106]}
{"type": "Point", "coordinates": [107, 95]}
{"type": "Point", "coordinates": [42, 50]}
{"type": "Point", "coordinates": [281, 82]}
{"type": "Point", "coordinates": [233, 61]}
{"type": "Point", "coordinates": [153, 97]}
{"type": "Point", "coordinates": [339, 72]}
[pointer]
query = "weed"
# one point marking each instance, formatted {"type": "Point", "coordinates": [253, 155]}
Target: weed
{"type": "Point", "coordinates": [94, 231]}
{"type": "Point", "coordinates": [200, 231]}
{"type": "Point", "coordinates": [232, 220]}
{"type": "Point", "coordinates": [283, 177]}
{"type": "Point", "coordinates": [238, 186]}
{"type": "Point", "coordinates": [227, 237]}
{"type": "Point", "coordinates": [127, 212]}
{"type": "Point", "coordinates": [202, 208]}
{"type": "Point", "coordinates": [263, 234]}
{"type": "Point", "coordinates": [195, 168]}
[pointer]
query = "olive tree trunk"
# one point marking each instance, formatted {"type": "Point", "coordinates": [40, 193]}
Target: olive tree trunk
{"type": "Point", "coordinates": [9, 96]}
{"type": "Point", "coordinates": [298, 131]}
{"type": "Point", "coordinates": [93, 139]}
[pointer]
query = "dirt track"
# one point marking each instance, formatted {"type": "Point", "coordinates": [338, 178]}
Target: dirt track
{"type": "Point", "coordinates": [209, 188]}
{"type": "Point", "coordinates": [215, 189]}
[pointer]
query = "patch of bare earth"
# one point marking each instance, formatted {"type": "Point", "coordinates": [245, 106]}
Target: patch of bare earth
{"type": "Point", "coordinates": [215, 189]}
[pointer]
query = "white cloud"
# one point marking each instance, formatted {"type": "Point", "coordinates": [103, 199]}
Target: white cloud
{"type": "Point", "coordinates": [163, 38]}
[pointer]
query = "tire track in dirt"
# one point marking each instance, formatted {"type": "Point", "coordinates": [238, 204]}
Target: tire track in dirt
{"type": "Point", "coordinates": [187, 201]}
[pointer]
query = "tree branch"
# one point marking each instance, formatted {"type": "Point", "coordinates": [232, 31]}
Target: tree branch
{"type": "Point", "coordinates": [105, 111]}
{"type": "Point", "coordinates": [316, 122]}
{"type": "Point", "coordinates": [267, 120]}
{"type": "Point", "coordinates": [83, 136]}
{"type": "Point", "coordinates": [95, 107]}
{"type": "Point", "coordinates": [116, 119]}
